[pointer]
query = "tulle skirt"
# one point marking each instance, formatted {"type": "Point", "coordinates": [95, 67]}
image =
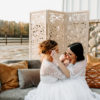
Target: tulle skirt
{"type": "Point", "coordinates": [69, 89]}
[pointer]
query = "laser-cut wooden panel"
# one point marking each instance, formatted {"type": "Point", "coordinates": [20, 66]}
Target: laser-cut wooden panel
{"type": "Point", "coordinates": [65, 28]}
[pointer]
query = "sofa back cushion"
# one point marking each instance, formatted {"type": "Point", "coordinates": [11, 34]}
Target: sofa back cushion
{"type": "Point", "coordinates": [32, 64]}
{"type": "Point", "coordinates": [9, 74]}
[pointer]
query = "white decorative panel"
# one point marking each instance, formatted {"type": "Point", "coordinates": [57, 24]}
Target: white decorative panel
{"type": "Point", "coordinates": [77, 29]}
{"type": "Point", "coordinates": [65, 28]}
{"type": "Point", "coordinates": [37, 32]}
{"type": "Point", "coordinates": [55, 28]}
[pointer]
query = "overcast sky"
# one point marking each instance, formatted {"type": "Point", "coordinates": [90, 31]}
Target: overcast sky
{"type": "Point", "coordinates": [19, 10]}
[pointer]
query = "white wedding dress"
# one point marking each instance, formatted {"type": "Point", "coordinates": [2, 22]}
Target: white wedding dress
{"type": "Point", "coordinates": [55, 86]}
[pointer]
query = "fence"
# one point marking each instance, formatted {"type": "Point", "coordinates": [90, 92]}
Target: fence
{"type": "Point", "coordinates": [7, 40]}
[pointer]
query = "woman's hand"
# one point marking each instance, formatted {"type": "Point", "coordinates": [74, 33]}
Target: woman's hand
{"type": "Point", "coordinates": [66, 62]}
{"type": "Point", "coordinates": [60, 65]}
{"type": "Point", "coordinates": [62, 58]}
{"type": "Point", "coordinates": [54, 54]}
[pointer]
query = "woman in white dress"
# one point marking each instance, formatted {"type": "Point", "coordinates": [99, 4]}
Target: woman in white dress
{"type": "Point", "coordinates": [59, 82]}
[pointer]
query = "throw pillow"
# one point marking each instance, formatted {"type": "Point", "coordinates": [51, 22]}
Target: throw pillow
{"type": "Point", "coordinates": [9, 74]}
{"type": "Point", "coordinates": [93, 71]}
{"type": "Point", "coordinates": [28, 77]}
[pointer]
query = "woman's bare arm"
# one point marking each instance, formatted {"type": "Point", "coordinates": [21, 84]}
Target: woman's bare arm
{"type": "Point", "coordinates": [63, 68]}
{"type": "Point", "coordinates": [61, 65]}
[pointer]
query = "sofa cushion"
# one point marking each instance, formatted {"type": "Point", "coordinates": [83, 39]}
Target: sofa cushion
{"type": "Point", "coordinates": [93, 71]}
{"type": "Point", "coordinates": [28, 77]}
{"type": "Point", "coordinates": [31, 63]}
{"type": "Point", "coordinates": [9, 74]}
{"type": "Point", "coordinates": [96, 90]}
{"type": "Point", "coordinates": [19, 94]}
{"type": "Point", "coordinates": [14, 94]}
{"type": "Point", "coordinates": [34, 64]}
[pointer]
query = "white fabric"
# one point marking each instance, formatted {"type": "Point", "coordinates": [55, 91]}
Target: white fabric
{"type": "Point", "coordinates": [51, 69]}
{"type": "Point", "coordinates": [78, 69]}
{"type": "Point", "coordinates": [54, 85]}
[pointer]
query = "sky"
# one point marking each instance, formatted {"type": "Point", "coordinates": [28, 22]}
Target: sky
{"type": "Point", "coordinates": [19, 10]}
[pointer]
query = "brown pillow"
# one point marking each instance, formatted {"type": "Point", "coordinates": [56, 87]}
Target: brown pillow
{"type": "Point", "coordinates": [28, 77]}
{"type": "Point", "coordinates": [93, 71]}
{"type": "Point", "coordinates": [9, 74]}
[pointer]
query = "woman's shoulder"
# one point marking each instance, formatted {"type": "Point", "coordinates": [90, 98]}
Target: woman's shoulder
{"type": "Point", "coordinates": [82, 62]}
{"type": "Point", "coordinates": [46, 62]}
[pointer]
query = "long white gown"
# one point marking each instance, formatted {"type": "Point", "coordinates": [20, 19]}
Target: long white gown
{"type": "Point", "coordinates": [55, 86]}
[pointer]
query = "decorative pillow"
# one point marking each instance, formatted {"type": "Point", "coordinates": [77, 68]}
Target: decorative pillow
{"type": "Point", "coordinates": [28, 77]}
{"type": "Point", "coordinates": [9, 74]}
{"type": "Point", "coordinates": [93, 72]}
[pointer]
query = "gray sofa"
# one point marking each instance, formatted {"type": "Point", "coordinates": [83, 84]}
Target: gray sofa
{"type": "Point", "coordinates": [19, 94]}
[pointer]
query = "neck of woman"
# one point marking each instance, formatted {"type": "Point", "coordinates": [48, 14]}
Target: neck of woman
{"type": "Point", "coordinates": [48, 57]}
{"type": "Point", "coordinates": [73, 62]}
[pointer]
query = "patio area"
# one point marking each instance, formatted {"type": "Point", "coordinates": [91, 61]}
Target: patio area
{"type": "Point", "coordinates": [14, 52]}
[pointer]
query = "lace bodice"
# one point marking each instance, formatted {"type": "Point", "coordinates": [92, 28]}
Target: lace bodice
{"type": "Point", "coordinates": [51, 69]}
{"type": "Point", "coordinates": [78, 69]}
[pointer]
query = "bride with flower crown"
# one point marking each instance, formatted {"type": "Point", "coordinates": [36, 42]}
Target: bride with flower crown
{"type": "Point", "coordinates": [59, 82]}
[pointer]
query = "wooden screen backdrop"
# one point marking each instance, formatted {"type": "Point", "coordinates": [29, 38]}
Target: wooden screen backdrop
{"type": "Point", "coordinates": [63, 27]}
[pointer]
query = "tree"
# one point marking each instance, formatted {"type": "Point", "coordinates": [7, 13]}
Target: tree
{"type": "Point", "coordinates": [13, 29]}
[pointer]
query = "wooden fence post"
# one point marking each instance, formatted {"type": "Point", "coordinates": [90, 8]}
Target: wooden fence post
{"type": "Point", "coordinates": [6, 38]}
{"type": "Point", "coordinates": [21, 39]}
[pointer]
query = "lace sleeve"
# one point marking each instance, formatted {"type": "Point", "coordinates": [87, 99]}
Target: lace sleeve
{"type": "Point", "coordinates": [52, 70]}
{"type": "Point", "coordinates": [78, 69]}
